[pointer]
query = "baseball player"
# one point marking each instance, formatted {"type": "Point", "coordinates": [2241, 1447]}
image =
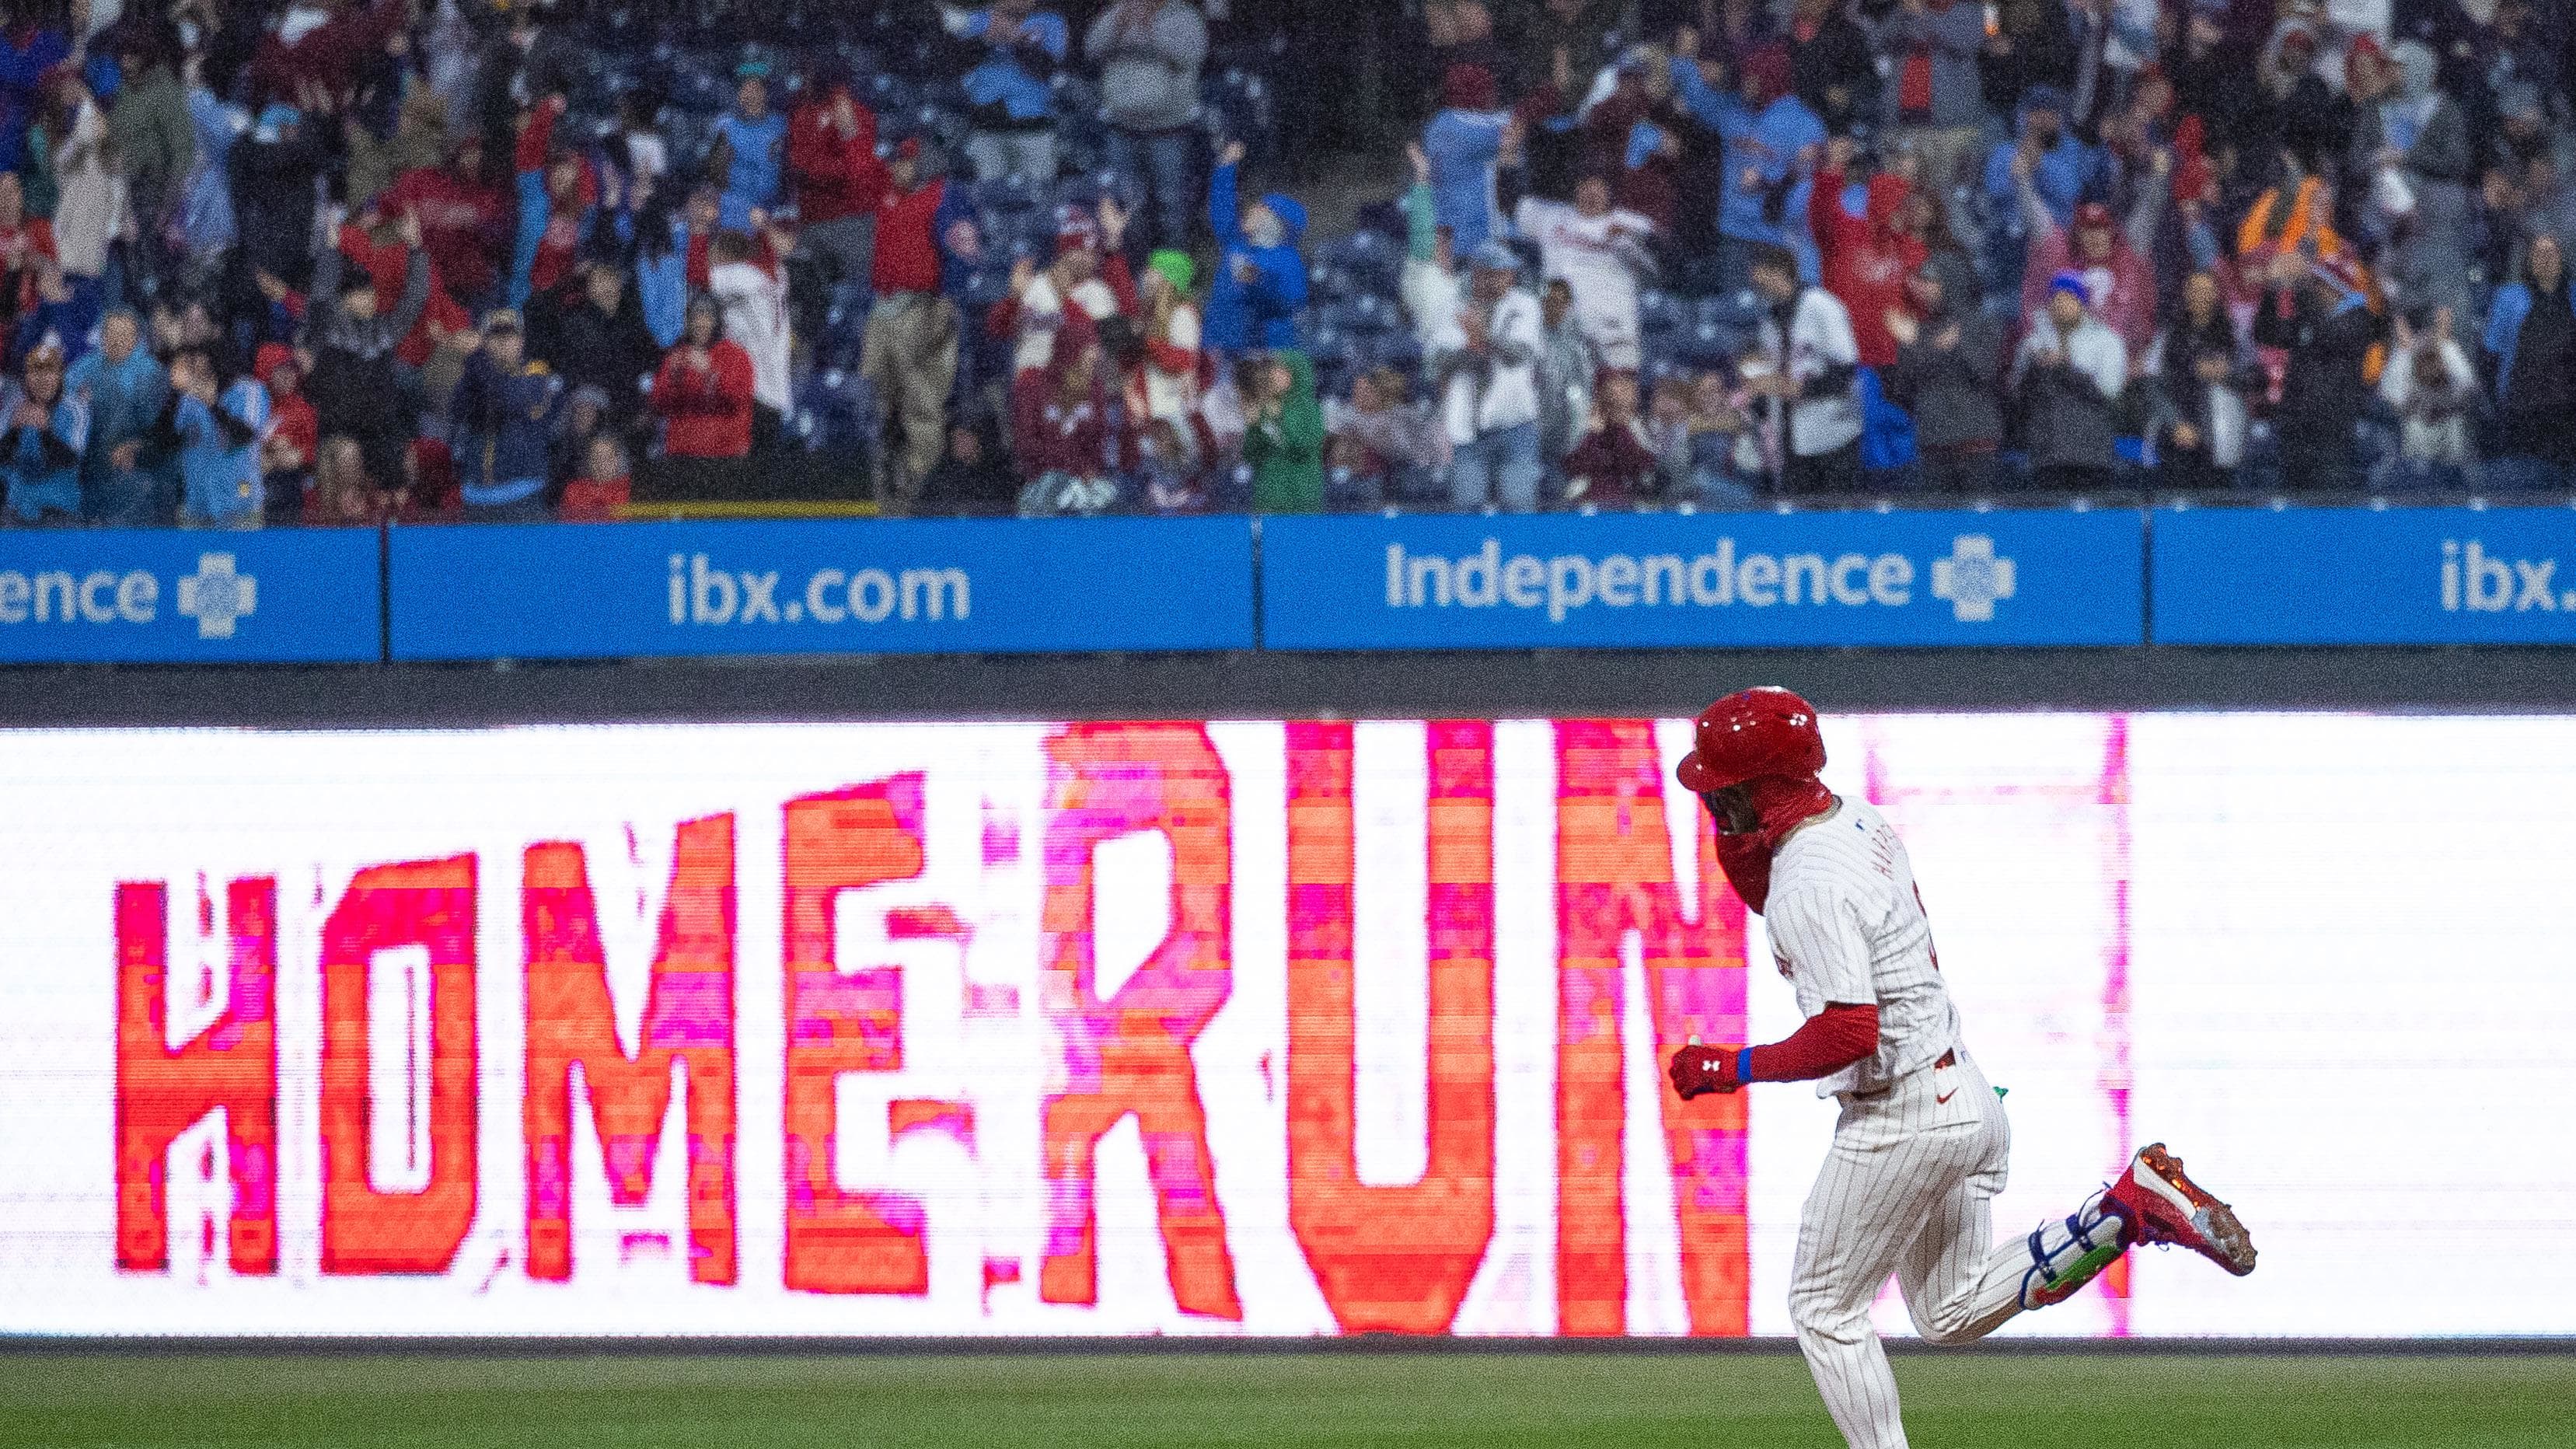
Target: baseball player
{"type": "Point", "coordinates": [1922, 1145]}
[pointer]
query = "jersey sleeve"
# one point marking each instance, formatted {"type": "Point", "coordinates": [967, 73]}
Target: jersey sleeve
{"type": "Point", "coordinates": [1821, 939]}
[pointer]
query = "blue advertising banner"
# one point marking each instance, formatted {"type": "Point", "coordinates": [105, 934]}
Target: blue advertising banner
{"type": "Point", "coordinates": [2365, 576]}
{"type": "Point", "coordinates": [1567, 581]}
{"type": "Point", "coordinates": [854, 586]}
{"type": "Point", "coordinates": [166, 596]}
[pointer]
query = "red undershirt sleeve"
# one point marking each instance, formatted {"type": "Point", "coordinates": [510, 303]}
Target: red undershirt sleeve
{"type": "Point", "coordinates": [1832, 1039]}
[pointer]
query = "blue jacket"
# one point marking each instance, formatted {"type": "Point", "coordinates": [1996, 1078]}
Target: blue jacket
{"type": "Point", "coordinates": [1462, 146]}
{"type": "Point", "coordinates": [753, 179]}
{"type": "Point", "coordinates": [504, 429]}
{"type": "Point", "coordinates": [2505, 316]}
{"type": "Point", "coordinates": [1261, 314]}
{"type": "Point", "coordinates": [46, 459]}
{"type": "Point", "coordinates": [1768, 143]}
{"type": "Point", "coordinates": [662, 287]}
{"type": "Point", "coordinates": [2064, 171]}
{"type": "Point", "coordinates": [219, 474]}
{"type": "Point", "coordinates": [125, 401]}
{"type": "Point", "coordinates": [1001, 89]}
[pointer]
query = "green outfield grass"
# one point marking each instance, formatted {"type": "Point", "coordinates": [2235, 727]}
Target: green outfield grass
{"type": "Point", "coordinates": [1616, 1401]}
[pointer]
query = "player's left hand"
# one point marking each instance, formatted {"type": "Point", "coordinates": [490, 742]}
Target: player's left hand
{"type": "Point", "coordinates": [1699, 1070]}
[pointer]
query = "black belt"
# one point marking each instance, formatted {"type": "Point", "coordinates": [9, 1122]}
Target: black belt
{"type": "Point", "coordinates": [1949, 1058]}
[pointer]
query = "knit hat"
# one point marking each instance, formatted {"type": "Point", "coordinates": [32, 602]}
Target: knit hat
{"type": "Point", "coordinates": [1493, 256]}
{"type": "Point", "coordinates": [270, 357]}
{"type": "Point", "coordinates": [1290, 211]}
{"type": "Point", "coordinates": [1467, 87]}
{"type": "Point", "coordinates": [1173, 267]}
{"type": "Point", "coordinates": [2071, 283]}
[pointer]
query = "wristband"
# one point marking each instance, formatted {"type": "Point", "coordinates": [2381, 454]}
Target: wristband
{"type": "Point", "coordinates": [1744, 1066]}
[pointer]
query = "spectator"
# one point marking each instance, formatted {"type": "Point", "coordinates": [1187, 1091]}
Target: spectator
{"type": "Point", "coordinates": [1380, 434]}
{"type": "Point", "coordinates": [1808, 374]}
{"type": "Point", "coordinates": [26, 244]}
{"type": "Point", "coordinates": [558, 202]}
{"type": "Point", "coordinates": [41, 452]}
{"type": "Point", "coordinates": [1011, 91]}
{"type": "Point", "coordinates": [2200, 366]}
{"type": "Point", "coordinates": [1867, 259]}
{"type": "Point", "coordinates": [1937, 99]}
{"type": "Point", "coordinates": [832, 157]}
{"type": "Point", "coordinates": [1171, 342]}
{"type": "Point", "coordinates": [357, 384]}
{"type": "Point", "coordinates": [600, 489]}
{"type": "Point", "coordinates": [1259, 290]}
{"type": "Point", "coordinates": [2116, 273]}
{"type": "Point", "coordinates": [461, 221]}
{"type": "Point", "coordinates": [1769, 129]}
{"type": "Point", "coordinates": [598, 338]}
{"type": "Point", "coordinates": [1615, 466]}
{"type": "Point", "coordinates": [294, 433]}
{"type": "Point", "coordinates": [2414, 145]}
{"type": "Point", "coordinates": [1602, 256]}
{"type": "Point", "coordinates": [504, 417]}
{"type": "Point", "coordinates": [749, 150]}
{"type": "Point", "coordinates": [344, 494]}
{"type": "Point", "coordinates": [215, 434]}
{"type": "Point", "coordinates": [2292, 109]}
{"type": "Point", "coordinates": [1432, 288]}
{"type": "Point", "coordinates": [90, 206]}
{"type": "Point", "coordinates": [155, 141]}
{"type": "Point", "coordinates": [1166, 472]}
{"type": "Point", "coordinates": [2319, 315]}
{"type": "Point", "coordinates": [1632, 136]}
{"type": "Point", "coordinates": [316, 52]}
{"type": "Point", "coordinates": [1284, 434]}
{"type": "Point", "coordinates": [1566, 367]}
{"type": "Point", "coordinates": [1830, 63]}
{"type": "Point", "coordinates": [1949, 354]}
{"type": "Point", "coordinates": [1485, 372]}
{"type": "Point", "coordinates": [1089, 273]}
{"type": "Point", "coordinates": [909, 352]}
{"type": "Point", "coordinates": [1465, 142]}
{"type": "Point", "coordinates": [206, 224]}
{"type": "Point", "coordinates": [754, 297]}
{"type": "Point", "coordinates": [2070, 374]}
{"type": "Point", "coordinates": [1069, 431]}
{"type": "Point", "coordinates": [2429, 385]}
{"type": "Point", "coordinates": [1150, 52]}
{"type": "Point", "coordinates": [703, 392]}
{"type": "Point", "coordinates": [124, 390]}
{"type": "Point", "coordinates": [2060, 166]}
{"type": "Point", "coordinates": [1579, 30]}
{"type": "Point", "coordinates": [2531, 355]}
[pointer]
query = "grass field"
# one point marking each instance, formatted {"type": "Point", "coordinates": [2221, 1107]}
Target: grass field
{"type": "Point", "coordinates": [1065, 1401]}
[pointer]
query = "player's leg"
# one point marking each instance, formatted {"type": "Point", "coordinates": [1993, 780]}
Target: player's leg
{"type": "Point", "coordinates": [1869, 1202]}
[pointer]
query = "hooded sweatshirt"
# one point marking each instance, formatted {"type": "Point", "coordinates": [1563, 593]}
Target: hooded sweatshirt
{"type": "Point", "coordinates": [1084, 436]}
{"type": "Point", "coordinates": [1866, 259]}
{"type": "Point", "coordinates": [1762, 142]}
{"type": "Point", "coordinates": [1287, 451]}
{"type": "Point", "coordinates": [1263, 312]}
{"type": "Point", "coordinates": [1149, 73]}
{"type": "Point", "coordinates": [2075, 407]}
{"type": "Point", "coordinates": [2123, 286]}
{"type": "Point", "coordinates": [1951, 391]}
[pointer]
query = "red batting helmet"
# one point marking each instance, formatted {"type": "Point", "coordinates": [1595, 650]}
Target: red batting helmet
{"type": "Point", "coordinates": [1750, 734]}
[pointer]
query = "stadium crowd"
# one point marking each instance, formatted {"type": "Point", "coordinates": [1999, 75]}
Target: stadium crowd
{"type": "Point", "coordinates": [343, 261]}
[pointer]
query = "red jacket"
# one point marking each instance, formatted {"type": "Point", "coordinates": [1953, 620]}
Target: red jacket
{"type": "Point", "coordinates": [386, 264]}
{"type": "Point", "coordinates": [1866, 259]}
{"type": "Point", "coordinates": [708, 413]}
{"type": "Point", "coordinates": [836, 177]}
{"type": "Point", "coordinates": [327, 56]}
{"type": "Point", "coordinates": [463, 225]}
{"type": "Point", "coordinates": [908, 240]}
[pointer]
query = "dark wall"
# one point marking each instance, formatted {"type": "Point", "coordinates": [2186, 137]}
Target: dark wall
{"type": "Point", "coordinates": [1264, 685]}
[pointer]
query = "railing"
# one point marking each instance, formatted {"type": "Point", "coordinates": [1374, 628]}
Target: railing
{"type": "Point", "coordinates": [2088, 572]}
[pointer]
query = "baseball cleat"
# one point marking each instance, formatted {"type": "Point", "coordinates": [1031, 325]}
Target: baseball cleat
{"type": "Point", "coordinates": [2164, 1206]}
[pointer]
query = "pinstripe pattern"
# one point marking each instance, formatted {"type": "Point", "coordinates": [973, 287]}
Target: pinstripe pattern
{"type": "Point", "coordinates": [1921, 1148]}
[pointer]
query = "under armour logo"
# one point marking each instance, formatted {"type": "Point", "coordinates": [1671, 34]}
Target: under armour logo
{"type": "Point", "coordinates": [1972, 578]}
{"type": "Point", "coordinates": [216, 597]}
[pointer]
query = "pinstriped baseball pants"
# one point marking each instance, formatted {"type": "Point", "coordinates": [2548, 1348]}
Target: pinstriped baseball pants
{"type": "Point", "coordinates": [1906, 1189]}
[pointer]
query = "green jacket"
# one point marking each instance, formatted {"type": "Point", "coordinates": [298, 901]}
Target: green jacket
{"type": "Point", "coordinates": [1287, 452]}
{"type": "Point", "coordinates": [155, 139]}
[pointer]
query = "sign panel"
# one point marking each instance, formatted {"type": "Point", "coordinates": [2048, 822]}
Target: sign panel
{"type": "Point", "coordinates": [2365, 576]}
{"type": "Point", "coordinates": [1551, 581]}
{"type": "Point", "coordinates": [963, 586]}
{"type": "Point", "coordinates": [167, 596]}
{"type": "Point", "coordinates": [1120, 1028]}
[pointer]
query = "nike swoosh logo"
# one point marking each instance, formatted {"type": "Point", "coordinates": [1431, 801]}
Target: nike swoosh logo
{"type": "Point", "coordinates": [1945, 1096]}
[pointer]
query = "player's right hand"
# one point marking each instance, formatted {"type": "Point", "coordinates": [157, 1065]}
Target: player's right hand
{"type": "Point", "coordinates": [1699, 1070]}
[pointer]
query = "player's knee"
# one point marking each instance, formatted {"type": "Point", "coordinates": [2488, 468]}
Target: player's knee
{"type": "Point", "coordinates": [1820, 1312]}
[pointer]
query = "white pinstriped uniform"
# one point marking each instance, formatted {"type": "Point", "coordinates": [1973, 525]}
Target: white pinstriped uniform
{"type": "Point", "coordinates": [1922, 1146]}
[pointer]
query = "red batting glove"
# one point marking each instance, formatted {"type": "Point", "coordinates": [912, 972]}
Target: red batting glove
{"type": "Point", "coordinates": [1700, 1070]}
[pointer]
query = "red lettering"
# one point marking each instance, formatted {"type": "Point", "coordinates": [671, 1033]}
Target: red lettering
{"type": "Point", "coordinates": [429, 904]}
{"type": "Point", "coordinates": [688, 1017]}
{"type": "Point", "coordinates": [1615, 875]}
{"type": "Point", "coordinates": [1131, 1052]}
{"type": "Point", "coordinates": [1391, 1259]}
{"type": "Point", "coordinates": [844, 1021]}
{"type": "Point", "coordinates": [232, 1065]}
